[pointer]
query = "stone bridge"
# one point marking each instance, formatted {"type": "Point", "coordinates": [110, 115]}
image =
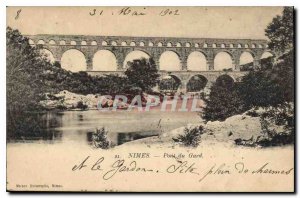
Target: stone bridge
{"type": "Point", "coordinates": [121, 46]}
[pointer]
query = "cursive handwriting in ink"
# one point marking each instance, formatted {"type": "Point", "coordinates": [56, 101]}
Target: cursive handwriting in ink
{"type": "Point", "coordinates": [81, 165]}
{"type": "Point", "coordinates": [169, 12]}
{"type": "Point", "coordinates": [119, 167]}
{"type": "Point", "coordinates": [129, 11]}
{"type": "Point", "coordinates": [97, 165]}
{"type": "Point", "coordinates": [182, 167]}
{"type": "Point", "coordinates": [94, 12]}
{"type": "Point", "coordinates": [18, 14]}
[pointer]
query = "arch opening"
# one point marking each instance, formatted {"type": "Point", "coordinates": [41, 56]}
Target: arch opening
{"type": "Point", "coordinates": [104, 60]}
{"type": "Point", "coordinates": [266, 55]}
{"type": "Point", "coordinates": [223, 61]}
{"type": "Point", "coordinates": [73, 60]}
{"type": "Point", "coordinates": [245, 58]}
{"type": "Point", "coordinates": [41, 42]}
{"type": "Point", "coordinates": [169, 84]}
{"type": "Point", "coordinates": [135, 55]}
{"type": "Point", "coordinates": [93, 43]}
{"type": "Point", "coordinates": [196, 62]}
{"type": "Point", "coordinates": [225, 81]}
{"type": "Point", "coordinates": [52, 42]}
{"type": "Point", "coordinates": [169, 61]}
{"type": "Point", "coordinates": [31, 42]}
{"type": "Point", "coordinates": [48, 55]}
{"type": "Point", "coordinates": [196, 83]}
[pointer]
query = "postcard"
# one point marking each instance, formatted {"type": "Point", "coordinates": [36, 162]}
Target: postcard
{"type": "Point", "coordinates": [150, 99]}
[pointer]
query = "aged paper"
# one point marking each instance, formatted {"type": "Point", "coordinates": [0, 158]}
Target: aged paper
{"type": "Point", "coordinates": [150, 99]}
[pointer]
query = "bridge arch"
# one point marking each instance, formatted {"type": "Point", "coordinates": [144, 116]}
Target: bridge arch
{"type": "Point", "coordinates": [135, 54]}
{"type": "Point", "coordinates": [196, 83]}
{"type": "Point", "coordinates": [223, 60]}
{"type": "Point", "coordinates": [170, 83]}
{"type": "Point", "coordinates": [104, 60]}
{"type": "Point", "coordinates": [196, 61]}
{"type": "Point", "coordinates": [142, 44]}
{"type": "Point", "coordinates": [114, 43]}
{"type": "Point", "coordinates": [132, 43]}
{"type": "Point", "coordinates": [169, 61]}
{"type": "Point", "coordinates": [104, 43]}
{"type": "Point", "coordinates": [225, 80]}
{"type": "Point", "coordinates": [62, 42]}
{"type": "Point", "coordinates": [47, 54]}
{"type": "Point", "coordinates": [246, 57]}
{"type": "Point", "coordinates": [73, 43]}
{"type": "Point", "coordinates": [267, 54]}
{"type": "Point", "coordinates": [52, 42]}
{"type": "Point", "coordinates": [178, 44]}
{"type": "Point", "coordinates": [94, 43]}
{"type": "Point", "coordinates": [151, 44]}
{"type": "Point", "coordinates": [159, 44]}
{"type": "Point", "coordinates": [31, 42]}
{"type": "Point", "coordinates": [83, 43]}
{"type": "Point", "coordinates": [41, 42]}
{"type": "Point", "coordinates": [73, 60]}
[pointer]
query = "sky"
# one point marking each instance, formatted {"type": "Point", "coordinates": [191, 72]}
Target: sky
{"type": "Point", "coordinates": [205, 22]}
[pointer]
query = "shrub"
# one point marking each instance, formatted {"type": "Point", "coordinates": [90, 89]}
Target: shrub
{"type": "Point", "coordinates": [277, 127]}
{"type": "Point", "coordinates": [99, 139]}
{"type": "Point", "coordinates": [81, 106]}
{"type": "Point", "coordinates": [191, 137]}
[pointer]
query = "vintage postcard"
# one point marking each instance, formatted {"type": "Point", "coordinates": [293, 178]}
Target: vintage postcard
{"type": "Point", "coordinates": [150, 99]}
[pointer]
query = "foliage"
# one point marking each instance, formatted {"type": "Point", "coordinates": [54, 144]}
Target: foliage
{"type": "Point", "coordinates": [24, 73]}
{"type": "Point", "coordinates": [99, 139]}
{"type": "Point", "coordinates": [25, 83]}
{"type": "Point", "coordinates": [277, 127]}
{"type": "Point", "coordinates": [281, 31]}
{"type": "Point", "coordinates": [142, 73]}
{"type": "Point", "coordinates": [259, 89]}
{"type": "Point", "coordinates": [81, 106]}
{"type": "Point", "coordinates": [191, 137]}
{"type": "Point", "coordinates": [223, 102]}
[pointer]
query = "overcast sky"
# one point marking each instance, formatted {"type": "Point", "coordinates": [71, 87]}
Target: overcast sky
{"type": "Point", "coordinates": [206, 22]}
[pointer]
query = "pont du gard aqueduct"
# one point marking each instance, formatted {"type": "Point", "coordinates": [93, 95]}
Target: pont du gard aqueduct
{"type": "Point", "coordinates": [181, 58]}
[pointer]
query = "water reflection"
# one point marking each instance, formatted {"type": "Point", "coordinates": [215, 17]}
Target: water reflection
{"type": "Point", "coordinates": [77, 126]}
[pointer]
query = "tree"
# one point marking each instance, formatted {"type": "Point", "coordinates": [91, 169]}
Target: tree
{"type": "Point", "coordinates": [281, 31]}
{"type": "Point", "coordinates": [261, 89]}
{"type": "Point", "coordinates": [25, 72]}
{"type": "Point", "coordinates": [25, 83]}
{"type": "Point", "coordinates": [142, 73]}
{"type": "Point", "coordinates": [223, 102]}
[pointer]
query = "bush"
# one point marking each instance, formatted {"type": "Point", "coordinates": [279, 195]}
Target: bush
{"type": "Point", "coordinates": [191, 137]}
{"type": "Point", "coordinates": [277, 127]}
{"type": "Point", "coordinates": [223, 102]}
{"type": "Point", "coordinates": [81, 106]}
{"type": "Point", "coordinates": [99, 139]}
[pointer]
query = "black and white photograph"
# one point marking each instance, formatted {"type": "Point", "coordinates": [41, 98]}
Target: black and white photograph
{"type": "Point", "coordinates": [150, 99]}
